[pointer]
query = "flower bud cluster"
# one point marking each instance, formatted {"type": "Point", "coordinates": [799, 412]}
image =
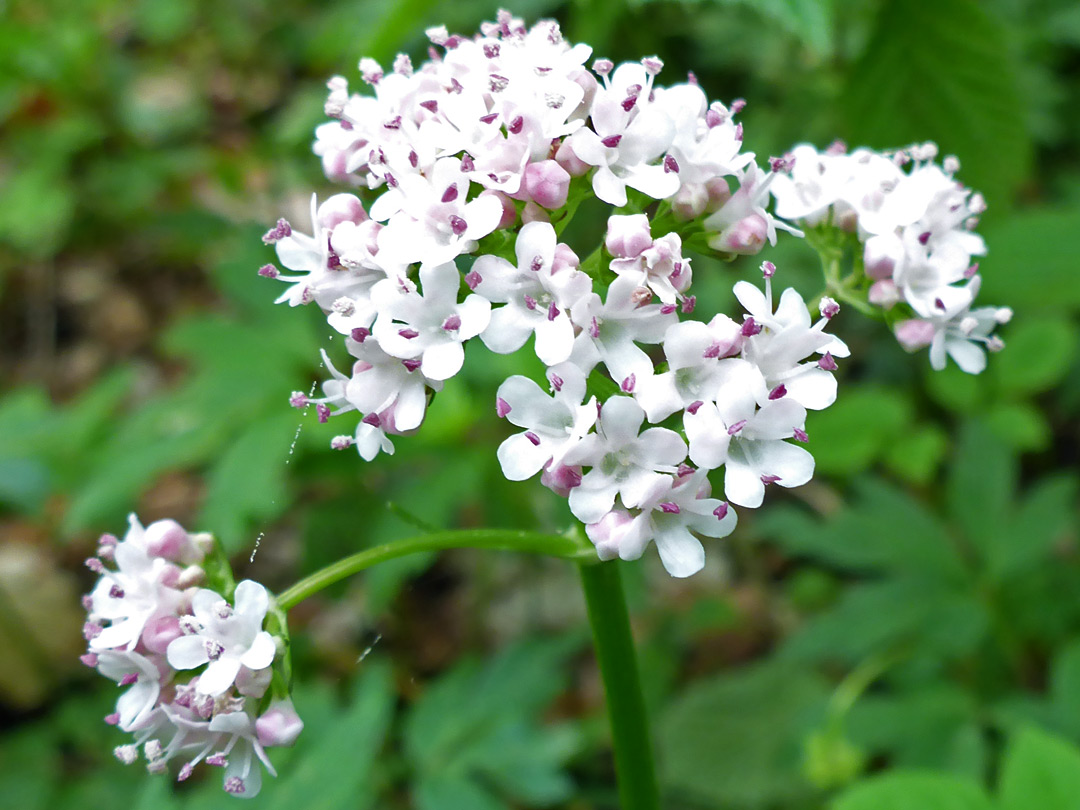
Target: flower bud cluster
{"type": "Point", "coordinates": [915, 223]}
{"type": "Point", "coordinates": [196, 669]}
{"type": "Point", "coordinates": [483, 151]}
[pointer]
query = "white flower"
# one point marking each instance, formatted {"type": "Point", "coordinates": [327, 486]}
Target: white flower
{"type": "Point", "coordinates": [431, 325]}
{"type": "Point", "coordinates": [538, 297]}
{"type": "Point", "coordinates": [610, 331]}
{"type": "Point", "coordinates": [629, 134]}
{"type": "Point", "coordinates": [623, 463]}
{"type": "Point", "coordinates": [143, 679]}
{"type": "Point", "coordinates": [227, 637]}
{"type": "Point", "coordinates": [138, 592]}
{"type": "Point", "coordinates": [554, 425]}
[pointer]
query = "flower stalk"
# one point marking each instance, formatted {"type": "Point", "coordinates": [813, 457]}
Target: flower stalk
{"type": "Point", "coordinates": [614, 646]}
{"type": "Point", "coordinates": [555, 545]}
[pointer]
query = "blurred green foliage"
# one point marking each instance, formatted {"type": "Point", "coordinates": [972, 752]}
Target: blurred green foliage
{"type": "Point", "coordinates": [903, 633]}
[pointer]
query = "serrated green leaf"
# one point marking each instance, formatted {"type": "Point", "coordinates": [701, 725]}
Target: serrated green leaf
{"type": "Point", "coordinates": [894, 614]}
{"type": "Point", "coordinates": [914, 791]}
{"type": "Point", "coordinates": [943, 72]}
{"type": "Point", "coordinates": [736, 740]}
{"type": "Point", "coordinates": [481, 724]}
{"type": "Point", "coordinates": [1040, 772]}
{"type": "Point", "coordinates": [881, 529]}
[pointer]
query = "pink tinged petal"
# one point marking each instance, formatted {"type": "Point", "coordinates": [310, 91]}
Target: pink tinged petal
{"type": "Point", "coordinates": [483, 214]}
{"type": "Point", "coordinates": [261, 652]}
{"type": "Point", "coordinates": [187, 652]}
{"type": "Point", "coordinates": [521, 458]}
{"type": "Point", "coordinates": [442, 360]}
{"type": "Point", "coordinates": [680, 552]}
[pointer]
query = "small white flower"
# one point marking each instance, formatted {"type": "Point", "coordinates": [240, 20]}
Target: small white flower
{"type": "Point", "coordinates": [229, 638]}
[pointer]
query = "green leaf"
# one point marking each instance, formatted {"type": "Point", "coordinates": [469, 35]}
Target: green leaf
{"type": "Point", "coordinates": [914, 791]}
{"type": "Point", "coordinates": [1038, 356]}
{"type": "Point", "coordinates": [881, 529]}
{"type": "Point", "coordinates": [246, 484]}
{"type": "Point", "coordinates": [454, 792]}
{"type": "Point", "coordinates": [917, 458]}
{"type": "Point", "coordinates": [853, 433]}
{"type": "Point", "coordinates": [1040, 772]}
{"type": "Point", "coordinates": [736, 740]}
{"type": "Point", "coordinates": [1021, 425]}
{"type": "Point", "coordinates": [480, 725]}
{"type": "Point", "coordinates": [1030, 253]}
{"type": "Point", "coordinates": [981, 484]}
{"type": "Point", "coordinates": [943, 71]}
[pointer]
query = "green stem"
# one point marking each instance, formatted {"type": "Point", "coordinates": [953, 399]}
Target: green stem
{"type": "Point", "coordinates": [614, 645]}
{"type": "Point", "coordinates": [556, 545]}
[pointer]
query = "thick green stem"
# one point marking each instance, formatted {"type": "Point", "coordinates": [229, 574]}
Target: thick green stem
{"type": "Point", "coordinates": [555, 545]}
{"type": "Point", "coordinates": [615, 653]}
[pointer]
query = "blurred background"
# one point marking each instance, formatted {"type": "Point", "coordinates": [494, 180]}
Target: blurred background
{"type": "Point", "coordinates": [904, 628]}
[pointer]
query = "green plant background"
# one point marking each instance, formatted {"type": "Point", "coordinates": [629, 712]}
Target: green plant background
{"type": "Point", "coordinates": [902, 633]}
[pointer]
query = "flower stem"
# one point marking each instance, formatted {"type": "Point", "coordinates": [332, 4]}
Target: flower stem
{"type": "Point", "coordinates": [555, 545]}
{"type": "Point", "coordinates": [614, 645]}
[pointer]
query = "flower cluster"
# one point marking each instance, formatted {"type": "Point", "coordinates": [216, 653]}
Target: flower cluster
{"type": "Point", "coordinates": [196, 669]}
{"type": "Point", "coordinates": [916, 231]}
{"type": "Point", "coordinates": [484, 151]}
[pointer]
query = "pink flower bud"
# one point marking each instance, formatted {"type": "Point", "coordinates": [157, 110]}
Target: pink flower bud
{"type": "Point", "coordinates": [880, 255]}
{"type": "Point", "coordinates": [914, 333]}
{"type": "Point", "coordinates": [628, 236]}
{"type": "Point", "coordinates": [253, 683]}
{"type": "Point", "coordinates": [565, 259]}
{"type": "Point", "coordinates": [160, 632]}
{"type": "Point", "coordinates": [534, 213]}
{"type": "Point", "coordinates": [747, 236]}
{"type": "Point", "coordinates": [561, 480]}
{"type": "Point", "coordinates": [884, 293]}
{"type": "Point", "coordinates": [547, 183]}
{"type": "Point", "coordinates": [341, 208]}
{"type": "Point", "coordinates": [509, 212]}
{"type": "Point", "coordinates": [608, 532]}
{"type": "Point", "coordinates": [719, 193]}
{"type": "Point", "coordinates": [167, 538]}
{"type": "Point", "coordinates": [566, 158]}
{"type": "Point", "coordinates": [278, 725]}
